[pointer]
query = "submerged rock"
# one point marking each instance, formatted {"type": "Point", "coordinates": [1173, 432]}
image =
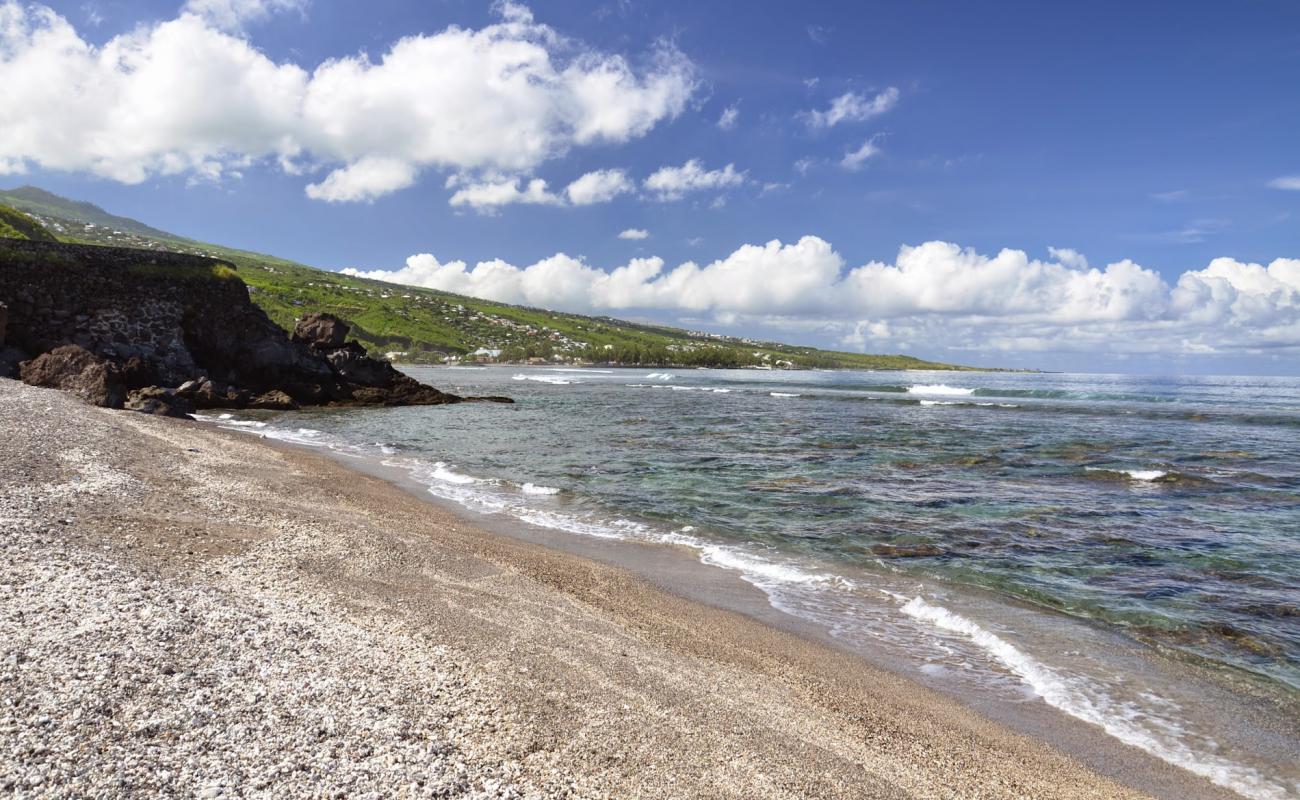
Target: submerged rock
{"type": "Point", "coordinates": [907, 550]}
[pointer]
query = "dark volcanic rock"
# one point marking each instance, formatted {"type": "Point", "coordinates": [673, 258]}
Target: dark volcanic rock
{"type": "Point", "coordinates": [321, 331]}
{"type": "Point", "coordinates": [75, 369]}
{"type": "Point", "coordinates": [10, 358]}
{"type": "Point", "coordinates": [148, 321]}
{"type": "Point", "coordinates": [352, 365]}
{"type": "Point", "coordinates": [159, 401]}
{"type": "Point", "coordinates": [274, 400]}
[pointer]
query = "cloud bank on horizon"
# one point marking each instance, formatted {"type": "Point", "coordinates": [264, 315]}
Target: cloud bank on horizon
{"type": "Point", "coordinates": [935, 293]}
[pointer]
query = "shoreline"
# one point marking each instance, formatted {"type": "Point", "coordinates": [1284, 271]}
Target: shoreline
{"type": "Point", "coordinates": [589, 680]}
{"type": "Point", "coordinates": [679, 572]}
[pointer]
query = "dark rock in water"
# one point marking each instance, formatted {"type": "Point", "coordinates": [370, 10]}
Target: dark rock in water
{"type": "Point", "coordinates": [185, 324]}
{"type": "Point", "coordinates": [321, 331]}
{"type": "Point", "coordinates": [351, 363]}
{"type": "Point", "coordinates": [75, 369]}
{"type": "Point", "coordinates": [274, 400]}
{"type": "Point", "coordinates": [159, 401]}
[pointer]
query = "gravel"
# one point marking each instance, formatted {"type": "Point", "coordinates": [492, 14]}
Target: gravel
{"type": "Point", "coordinates": [117, 680]}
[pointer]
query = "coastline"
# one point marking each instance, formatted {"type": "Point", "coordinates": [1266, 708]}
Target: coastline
{"type": "Point", "coordinates": [569, 677]}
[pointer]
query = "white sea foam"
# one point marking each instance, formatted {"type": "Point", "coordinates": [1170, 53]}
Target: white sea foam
{"type": "Point", "coordinates": [307, 436]}
{"type": "Point", "coordinates": [1135, 474]}
{"type": "Point", "coordinates": [533, 488]}
{"type": "Point", "coordinates": [551, 379]}
{"type": "Point", "coordinates": [942, 403]}
{"type": "Point", "coordinates": [757, 570]}
{"type": "Point", "coordinates": [584, 369]}
{"type": "Point", "coordinates": [443, 473]}
{"type": "Point", "coordinates": [783, 394]}
{"type": "Point", "coordinates": [660, 376]}
{"type": "Point", "coordinates": [1158, 733]}
{"type": "Point", "coordinates": [938, 389]}
{"type": "Point", "coordinates": [229, 421]}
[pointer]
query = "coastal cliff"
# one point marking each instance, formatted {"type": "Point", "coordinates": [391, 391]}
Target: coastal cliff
{"type": "Point", "coordinates": [170, 333]}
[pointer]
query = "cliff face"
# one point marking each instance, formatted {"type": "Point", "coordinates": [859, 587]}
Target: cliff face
{"type": "Point", "coordinates": [166, 320]}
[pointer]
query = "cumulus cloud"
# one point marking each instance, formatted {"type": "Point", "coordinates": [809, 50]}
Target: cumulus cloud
{"type": "Point", "coordinates": [936, 293]}
{"type": "Point", "coordinates": [635, 234]}
{"type": "Point", "coordinates": [853, 107]}
{"type": "Point", "coordinates": [364, 179]}
{"type": "Point", "coordinates": [488, 196]}
{"type": "Point", "coordinates": [855, 159]}
{"type": "Point", "coordinates": [191, 95]}
{"type": "Point", "coordinates": [1291, 182]}
{"type": "Point", "coordinates": [674, 183]}
{"type": "Point", "coordinates": [600, 186]}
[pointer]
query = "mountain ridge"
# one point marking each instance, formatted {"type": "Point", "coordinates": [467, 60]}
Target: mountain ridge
{"type": "Point", "coordinates": [420, 325]}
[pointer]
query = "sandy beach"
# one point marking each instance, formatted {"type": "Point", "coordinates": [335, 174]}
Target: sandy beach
{"type": "Point", "coordinates": [187, 611]}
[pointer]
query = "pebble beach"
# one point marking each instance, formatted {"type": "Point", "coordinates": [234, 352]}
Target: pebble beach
{"type": "Point", "coordinates": [186, 611]}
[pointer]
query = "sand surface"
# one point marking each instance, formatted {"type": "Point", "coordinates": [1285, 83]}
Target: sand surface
{"type": "Point", "coordinates": [187, 611]}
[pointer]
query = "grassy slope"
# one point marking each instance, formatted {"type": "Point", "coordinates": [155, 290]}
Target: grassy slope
{"type": "Point", "coordinates": [14, 224]}
{"type": "Point", "coordinates": [428, 324]}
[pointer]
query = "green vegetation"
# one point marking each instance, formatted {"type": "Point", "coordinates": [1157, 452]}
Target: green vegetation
{"type": "Point", "coordinates": [424, 326]}
{"type": "Point", "coordinates": [185, 272]}
{"type": "Point", "coordinates": [14, 224]}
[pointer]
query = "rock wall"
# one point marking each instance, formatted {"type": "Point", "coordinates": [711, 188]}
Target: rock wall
{"type": "Point", "coordinates": [166, 319]}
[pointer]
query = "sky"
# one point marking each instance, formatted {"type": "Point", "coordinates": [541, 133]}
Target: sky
{"type": "Point", "coordinates": [1101, 186]}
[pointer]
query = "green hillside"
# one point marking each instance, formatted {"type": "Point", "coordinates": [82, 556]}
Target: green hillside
{"type": "Point", "coordinates": [14, 224]}
{"type": "Point", "coordinates": [423, 325]}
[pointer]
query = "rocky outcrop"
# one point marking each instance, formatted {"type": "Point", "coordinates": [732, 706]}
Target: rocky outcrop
{"type": "Point", "coordinates": [167, 333]}
{"type": "Point", "coordinates": [75, 369]}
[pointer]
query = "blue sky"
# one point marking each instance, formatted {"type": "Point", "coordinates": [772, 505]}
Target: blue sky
{"type": "Point", "coordinates": [1163, 134]}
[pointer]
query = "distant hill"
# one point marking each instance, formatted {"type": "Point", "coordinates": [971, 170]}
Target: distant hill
{"type": "Point", "coordinates": [14, 224]}
{"type": "Point", "coordinates": [41, 203]}
{"type": "Point", "coordinates": [424, 326]}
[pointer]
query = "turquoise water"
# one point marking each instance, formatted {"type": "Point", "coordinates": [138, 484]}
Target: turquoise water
{"type": "Point", "coordinates": [1163, 512]}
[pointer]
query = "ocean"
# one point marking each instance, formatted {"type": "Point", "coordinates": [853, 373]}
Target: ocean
{"type": "Point", "coordinates": [1124, 549]}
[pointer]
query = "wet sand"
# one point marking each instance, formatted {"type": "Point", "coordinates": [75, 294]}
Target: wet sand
{"type": "Point", "coordinates": [403, 650]}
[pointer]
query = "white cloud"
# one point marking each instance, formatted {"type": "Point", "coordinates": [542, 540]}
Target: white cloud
{"type": "Point", "coordinates": [600, 186]}
{"type": "Point", "coordinates": [730, 115]}
{"type": "Point", "coordinates": [936, 294]}
{"type": "Point", "coordinates": [1069, 257]}
{"type": "Point", "coordinates": [674, 183]}
{"type": "Point", "coordinates": [486, 197]}
{"type": "Point", "coordinates": [854, 159]}
{"type": "Point", "coordinates": [364, 179]}
{"type": "Point", "coordinates": [185, 96]}
{"type": "Point", "coordinates": [1291, 182]}
{"type": "Point", "coordinates": [231, 15]}
{"type": "Point", "coordinates": [635, 234]}
{"type": "Point", "coordinates": [853, 107]}
{"type": "Point", "coordinates": [820, 34]}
